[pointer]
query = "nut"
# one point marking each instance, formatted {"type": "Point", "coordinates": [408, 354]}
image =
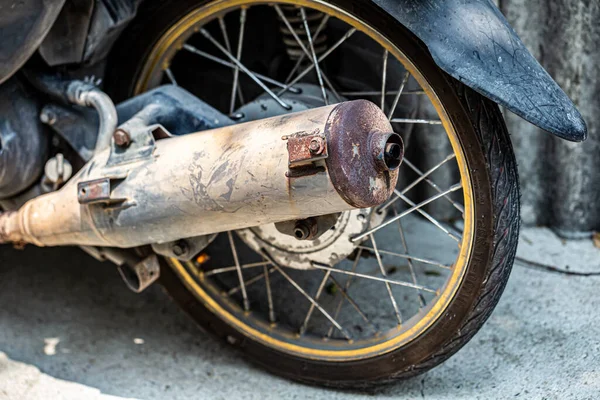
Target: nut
{"type": "Point", "coordinates": [48, 117]}
{"type": "Point", "coordinates": [180, 248]}
{"type": "Point", "coordinates": [316, 145]}
{"type": "Point", "coordinates": [305, 229]}
{"type": "Point", "coordinates": [122, 138]}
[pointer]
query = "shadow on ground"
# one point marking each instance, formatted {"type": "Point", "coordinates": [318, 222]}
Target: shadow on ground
{"type": "Point", "coordinates": [73, 318]}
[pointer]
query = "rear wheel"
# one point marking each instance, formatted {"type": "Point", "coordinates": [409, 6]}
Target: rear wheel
{"type": "Point", "coordinates": [387, 292]}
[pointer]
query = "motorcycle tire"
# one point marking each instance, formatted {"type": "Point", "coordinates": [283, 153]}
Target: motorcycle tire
{"type": "Point", "coordinates": [489, 160]}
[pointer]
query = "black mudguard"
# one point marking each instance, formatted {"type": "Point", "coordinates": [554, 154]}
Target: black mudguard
{"type": "Point", "coordinates": [23, 26]}
{"type": "Point", "coordinates": [472, 41]}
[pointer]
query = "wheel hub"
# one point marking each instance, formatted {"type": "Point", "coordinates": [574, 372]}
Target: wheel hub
{"type": "Point", "coordinates": [330, 248]}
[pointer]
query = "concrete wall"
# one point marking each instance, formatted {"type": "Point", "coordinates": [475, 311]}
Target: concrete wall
{"type": "Point", "coordinates": [560, 181]}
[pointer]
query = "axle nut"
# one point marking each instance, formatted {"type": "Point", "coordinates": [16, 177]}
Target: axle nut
{"type": "Point", "coordinates": [305, 229]}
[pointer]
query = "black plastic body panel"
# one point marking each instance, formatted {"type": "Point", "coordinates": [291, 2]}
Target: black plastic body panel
{"type": "Point", "coordinates": [23, 139]}
{"type": "Point", "coordinates": [65, 42]}
{"type": "Point", "coordinates": [472, 41]}
{"type": "Point", "coordinates": [23, 26]}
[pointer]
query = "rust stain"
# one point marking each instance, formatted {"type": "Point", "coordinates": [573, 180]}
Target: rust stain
{"type": "Point", "coordinates": [299, 146]}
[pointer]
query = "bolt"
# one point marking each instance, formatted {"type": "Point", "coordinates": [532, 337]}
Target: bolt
{"type": "Point", "coordinates": [122, 138]}
{"type": "Point", "coordinates": [316, 145]}
{"type": "Point", "coordinates": [180, 248]}
{"type": "Point", "coordinates": [48, 117]}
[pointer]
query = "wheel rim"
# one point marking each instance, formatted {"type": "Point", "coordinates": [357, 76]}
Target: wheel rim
{"type": "Point", "coordinates": [200, 280]}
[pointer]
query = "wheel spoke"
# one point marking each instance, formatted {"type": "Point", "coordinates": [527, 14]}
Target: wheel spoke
{"type": "Point", "coordinates": [313, 55]}
{"type": "Point", "coordinates": [428, 217]}
{"type": "Point", "coordinates": [456, 205]}
{"type": "Point", "coordinates": [410, 260]}
{"type": "Point", "coordinates": [287, 87]}
{"type": "Point", "coordinates": [307, 296]}
{"type": "Point", "coordinates": [250, 282]}
{"type": "Point", "coordinates": [387, 284]}
{"type": "Point", "coordinates": [224, 33]}
{"type": "Point", "coordinates": [353, 303]}
{"type": "Point", "coordinates": [388, 93]}
{"type": "Point", "coordinates": [241, 66]}
{"type": "Point", "coordinates": [239, 271]}
{"type": "Point", "coordinates": [373, 278]}
{"type": "Point", "coordinates": [331, 88]}
{"type": "Point", "coordinates": [397, 98]}
{"type": "Point", "coordinates": [383, 79]}
{"type": "Point", "coordinates": [236, 70]}
{"type": "Point", "coordinates": [302, 56]}
{"type": "Point", "coordinates": [416, 121]}
{"type": "Point", "coordinates": [312, 305]}
{"type": "Point", "coordinates": [269, 294]}
{"type": "Point", "coordinates": [453, 188]}
{"type": "Point", "coordinates": [234, 268]}
{"type": "Point", "coordinates": [218, 60]}
{"type": "Point", "coordinates": [407, 256]}
{"type": "Point", "coordinates": [338, 307]}
{"type": "Point", "coordinates": [171, 76]}
{"type": "Point", "coordinates": [416, 181]}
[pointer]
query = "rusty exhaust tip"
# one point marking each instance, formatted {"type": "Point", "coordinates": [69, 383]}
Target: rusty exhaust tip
{"type": "Point", "coordinates": [364, 153]}
{"type": "Point", "coordinates": [388, 150]}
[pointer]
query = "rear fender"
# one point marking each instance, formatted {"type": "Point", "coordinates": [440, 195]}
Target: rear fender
{"type": "Point", "coordinates": [472, 41]}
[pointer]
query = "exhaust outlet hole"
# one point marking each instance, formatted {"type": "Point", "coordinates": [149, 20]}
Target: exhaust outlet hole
{"type": "Point", "coordinates": [393, 152]}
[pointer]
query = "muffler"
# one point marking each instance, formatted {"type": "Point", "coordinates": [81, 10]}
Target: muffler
{"type": "Point", "coordinates": [143, 190]}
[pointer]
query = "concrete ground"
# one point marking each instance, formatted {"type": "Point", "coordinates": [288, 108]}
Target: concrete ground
{"type": "Point", "coordinates": [69, 329]}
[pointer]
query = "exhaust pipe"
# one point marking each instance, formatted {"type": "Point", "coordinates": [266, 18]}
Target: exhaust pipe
{"type": "Point", "coordinates": [295, 166]}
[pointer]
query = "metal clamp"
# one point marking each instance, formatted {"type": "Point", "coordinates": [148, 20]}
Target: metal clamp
{"type": "Point", "coordinates": [98, 191]}
{"type": "Point", "coordinates": [305, 148]}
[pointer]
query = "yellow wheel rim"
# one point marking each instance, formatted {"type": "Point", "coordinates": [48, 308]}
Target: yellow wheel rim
{"type": "Point", "coordinates": [159, 59]}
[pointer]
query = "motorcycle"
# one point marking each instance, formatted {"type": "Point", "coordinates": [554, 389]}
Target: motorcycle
{"type": "Point", "coordinates": [326, 185]}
